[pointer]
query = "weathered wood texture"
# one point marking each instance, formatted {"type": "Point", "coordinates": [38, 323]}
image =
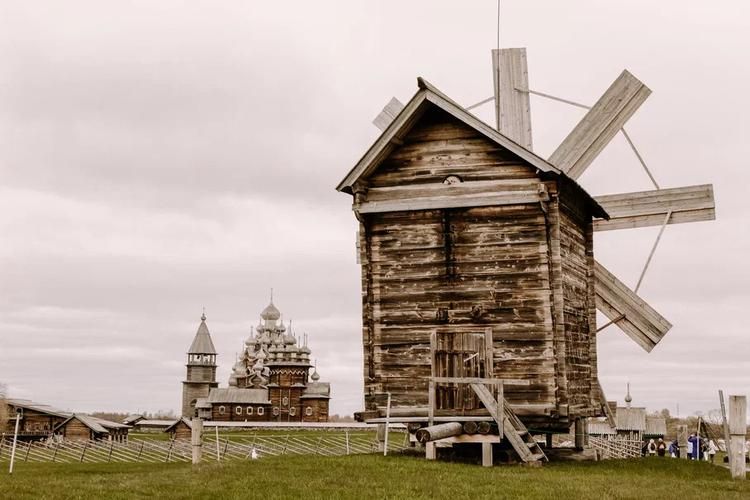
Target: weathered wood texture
{"type": "Point", "coordinates": [599, 126]}
{"type": "Point", "coordinates": [388, 114]}
{"type": "Point", "coordinates": [737, 431]}
{"type": "Point", "coordinates": [634, 316]}
{"type": "Point", "coordinates": [648, 208]}
{"type": "Point", "coordinates": [512, 107]}
{"type": "Point", "coordinates": [520, 269]}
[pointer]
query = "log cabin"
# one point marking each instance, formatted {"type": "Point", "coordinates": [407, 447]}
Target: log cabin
{"type": "Point", "coordinates": [36, 419]}
{"type": "Point", "coordinates": [79, 427]}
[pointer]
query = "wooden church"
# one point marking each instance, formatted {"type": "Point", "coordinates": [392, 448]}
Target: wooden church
{"type": "Point", "coordinates": [477, 258]}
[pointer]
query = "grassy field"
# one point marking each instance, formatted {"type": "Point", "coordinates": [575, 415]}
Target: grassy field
{"type": "Point", "coordinates": [373, 476]}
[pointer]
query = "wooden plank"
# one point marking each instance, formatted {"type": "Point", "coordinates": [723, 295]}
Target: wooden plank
{"type": "Point", "coordinates": [512, 107]}
{"type": "Point", "coordinates": [599, 126]}
{"type": "Point", "coordinates": [468, 380]}
{"type": "Point", "coordinates": [388, 114]}
{"type": "Point", "coordinates": [489, 402]}
{"type": "Point", "coordinates": [648, 208]}
{"type": "Point", "coordinates": [449, 200]}
{"type": "Point", "coordinates": [641, 322]}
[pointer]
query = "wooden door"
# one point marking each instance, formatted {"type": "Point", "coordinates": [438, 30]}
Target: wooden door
{"type": "Point", "coordinates": [460, 355]}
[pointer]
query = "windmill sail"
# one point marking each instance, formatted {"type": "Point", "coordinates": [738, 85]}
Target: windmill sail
{"type": "Point", "coordinates": [648, 208]}
{"type": "Point", "coordinates": [599, 126]}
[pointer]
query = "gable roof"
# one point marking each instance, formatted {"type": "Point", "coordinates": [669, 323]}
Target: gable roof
{"type": "Point", "coordinates": [40, 407]}
{"type": "Point", "coordinates": [238, 395]}
{"type": "Point", "coordinates": [202, 343]}
{"type": "Point", "coordinates": [184, 420]}
{"type": "Point", "coordinates": [427, 96]}
{"type": "Point", "coordinates": [631, 419]}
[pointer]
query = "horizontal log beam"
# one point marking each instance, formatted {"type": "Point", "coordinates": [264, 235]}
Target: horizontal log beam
{"type": "Point", "coordinates": [648, 208]}
{"type": "Point", "coordinates": [439, 431]}
{"type": "Point", "coordinates": [636, 318]}
{"type": "Point", "coordinates": [450, 200]}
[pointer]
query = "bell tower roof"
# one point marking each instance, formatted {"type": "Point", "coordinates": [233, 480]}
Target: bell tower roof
{"type": "Point", "coordinates": [202, 343]}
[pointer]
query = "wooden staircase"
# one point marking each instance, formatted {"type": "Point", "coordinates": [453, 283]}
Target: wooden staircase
{"type": "Point", "coordinates": [510, 427]}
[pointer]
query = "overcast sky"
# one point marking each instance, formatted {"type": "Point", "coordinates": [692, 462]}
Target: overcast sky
{"type": "Point", "coordinates": [159, 157]}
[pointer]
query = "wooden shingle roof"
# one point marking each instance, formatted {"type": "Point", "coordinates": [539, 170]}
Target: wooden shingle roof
{"type": "Point", "coordinates": [202, 343]}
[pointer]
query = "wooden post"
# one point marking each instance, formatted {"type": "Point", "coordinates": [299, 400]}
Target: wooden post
{"type": "Point", "coordinates": [28, 449]}
{"type": "Point", "coordinates": [54, 454]}
{"type": "Point", "coordinates": [737, 430]}
{"type": "Point", "coordinates": [580, 433]}
{"type": "Point", "coordinates": [109, 455]}
{"type": "Point", "coordinates": [430, 451]}
{"type": "Point", "coordinates": [548, 440]}
{"type": "Point", "coordinates": [83, 451]}
{"type": "Point", "coordinates": [196, 440]}
{"type": "Point", "coordinates": [486, 454]}
{"type": "Point", "coordinates": [725, 425]}
{"type": "Point", "coordinates": [216, 435]}
{"type": "Point", "coordinates": [15, 441]}
{"type": "Point", "coordinates": [682, 436]}
{"type": "Point", "coordinates": [387, 421]}
{"type": "Point", "coordinates": [381, 436]}
{"type": "Point", "coordinates": [347, 442]}
{"type": "Point", "coordinates": [169, 451]}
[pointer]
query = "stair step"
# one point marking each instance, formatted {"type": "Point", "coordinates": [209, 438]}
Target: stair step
{"type": "Point", "coordinates": [531, 445]}
{"type": "Point", "coordinates": [538, 456]}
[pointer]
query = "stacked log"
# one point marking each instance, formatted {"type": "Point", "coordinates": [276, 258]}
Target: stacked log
{"type": "Point", "coordinates": [439, 431]}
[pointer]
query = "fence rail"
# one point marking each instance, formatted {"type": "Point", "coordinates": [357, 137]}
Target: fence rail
{"type": "Point", "coordinates": [229, 448]}
{"type": "Point", "coordinates": [616, 448]}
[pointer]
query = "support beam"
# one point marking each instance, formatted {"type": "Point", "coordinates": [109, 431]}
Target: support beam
{"type": "Point", "coordinates": [648, 208]}
{"type": "Point", "coordinates": [599, 126]}
{"type": "Point", "coordinates": [640, 322]}
{"type": "Point", "coordinates": [737, 430]}
{"type": "Point", "coordinates": [389, 113]}
{"type": "Point", "coordinates": [486, 454]}
{"type": "Point", "coordinates": [512, 107]}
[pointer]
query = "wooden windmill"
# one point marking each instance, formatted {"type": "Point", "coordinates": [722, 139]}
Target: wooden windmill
{"type": "Point", "coordinates": [477, 255]}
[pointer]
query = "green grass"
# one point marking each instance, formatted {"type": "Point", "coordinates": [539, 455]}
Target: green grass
{"type": "Point", "coordinates": [374, 476]}
{"type": "Point", "coordinates": [249, 434]}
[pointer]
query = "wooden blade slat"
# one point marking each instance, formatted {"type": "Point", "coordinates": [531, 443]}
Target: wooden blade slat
{"type": "Point", "coordinates": [389, 113]}
{"type": "Point", "coordinates": [512, 107]}
{"type": "Point", "coordinates": [648, 208]}
{"type": "Point", "coordinates": [614, 299]}
{"type": "Point", "coordinates": [599, 126]}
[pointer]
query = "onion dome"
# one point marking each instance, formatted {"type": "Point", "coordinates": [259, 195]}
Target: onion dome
{"type": "Point", "coordinates": [250, 341]}
{"type": "Point", "coordinates": [305, 350]}
{"type": "Point", "coordinates": [232, 380]}
{"type": "Point", "coordinates": [261, 355]}
{"type": "Point", "coordinates": [270, 312]}
{"type": "Point", "coordinates": [315, 377]}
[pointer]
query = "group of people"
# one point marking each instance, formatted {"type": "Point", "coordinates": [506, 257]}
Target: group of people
{"type": "Point", "coordinates": [698, 448]}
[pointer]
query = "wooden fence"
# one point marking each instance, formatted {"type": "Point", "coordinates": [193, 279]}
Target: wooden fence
{"type": "Point", "coordinates": [616, 448]}
{"type": "Point", "coordinates": [146, 450]}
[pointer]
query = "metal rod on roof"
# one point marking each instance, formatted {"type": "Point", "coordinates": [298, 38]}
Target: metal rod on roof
{"type": "Point", "coordinates": [548, 96]}
{"type": "Point", "coordinates": [498, 24]}
{"type": "Point", "coordinates": [640, 159]}
{"type": "Point", "coordinates": [653, 249]}
{"type": "Point", "coordinates": [483, 101]}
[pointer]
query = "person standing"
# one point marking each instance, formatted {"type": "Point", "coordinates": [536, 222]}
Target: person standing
{"type": "Point", "coordinates": [690, 447]}
{"type": "Point", "coordinates": [674, 449]}
{"type": "Point", "coordinates": [712, 449]}
{"type": "Point", "coordinates": [661, 447]}
{"type": "Point", "coordinates": [651, 448]}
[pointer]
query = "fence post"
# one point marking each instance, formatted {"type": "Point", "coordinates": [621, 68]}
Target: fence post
{"type": "Point", "coordinates": [196, 439]}
{"type": "Point", "coordinates": [169, 451]}
{"type": "Point", "coordinates": [737, 430]}
{"type": "Point", "coordinates": [317, 447]}
{"type": "Point", "coordinates": [682, 440]}
{"type": "Point", "coordinates": [140, 450]}
{"type": "Point", "coordinates": [347, 442]}
{"type": "Point", "coordinates": [54, 454]}
{"type": "Point", "coordinates": [226, 445]}
{"type": "Point", "coordinates": [109, 455]}
{"type": "Point", "coordinates": [2, 442]}
{"type": "Point", "coordinates": [28, 449]}
{"type": "Point", "coordinates": [283, 451]}
{"type": "Point", "coordinates": [83, 451]}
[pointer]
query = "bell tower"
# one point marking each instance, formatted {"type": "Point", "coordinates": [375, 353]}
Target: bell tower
{"type": "Point", "coordinates": [201, 369]}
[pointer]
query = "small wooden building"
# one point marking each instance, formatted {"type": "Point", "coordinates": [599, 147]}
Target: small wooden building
{"type": "Point", "coordinates": [37, 420]}
{"type": "Point", "coordinates": [79, 427]}
{"type": "Point", "coordinates": [181, 429]}
{"type": "Point", "coordinates": [477, 261]}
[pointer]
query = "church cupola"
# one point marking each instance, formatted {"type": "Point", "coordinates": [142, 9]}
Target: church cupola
{"type": "Point", "coordinates": [201, 369]}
